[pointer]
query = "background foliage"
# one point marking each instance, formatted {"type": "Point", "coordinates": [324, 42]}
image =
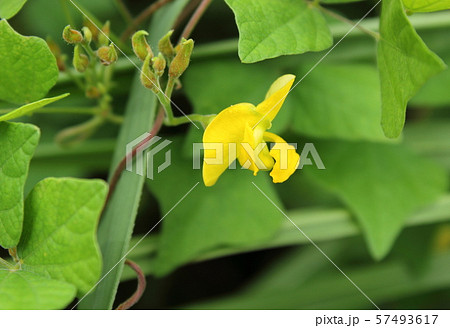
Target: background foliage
{"type": "Point", "coordinates": [380, 210]}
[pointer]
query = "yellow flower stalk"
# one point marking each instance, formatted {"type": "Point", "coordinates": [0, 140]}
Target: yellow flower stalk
{"type": "Point", "coordinates": [240, 132]}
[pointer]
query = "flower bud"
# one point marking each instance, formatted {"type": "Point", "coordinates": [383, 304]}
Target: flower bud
{"type": "Point", "coordinates": [148, 77]}
{"type": "Point", "coordinates": [159, 64]}
{"type": "Point", "coordinates": [80, 60]}
{"type": "Point", "coordinates": [72, 36]}
{"type": "Point", "coordinates": [107, 54]}
{"type": "Point", "coordinates": [103, 38]}
{"type": "Point", "coordinates": [165, 46]}
{"type": "Point", "coordinates": [140, 46]}
{"type": "Point", "coordinates": [92, 92]}
{"type": "Point", "coordinates": [182, 58]}
{"type": "Point", "coordinates": [87, 34]}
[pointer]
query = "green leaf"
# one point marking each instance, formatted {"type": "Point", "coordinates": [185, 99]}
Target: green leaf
{"type": "Point", "coordinates": [30, 108]}
{"type": "Point", "coordinates": [231, 213]}
{"type": "Point", "coordinates": [59, 231]}
{"type": "Point", "coordinates": [426, 5]}
{"type": "Point", "coordinates": [8, 8]}
{"type": "Point", "coordinates": [28, 70]}
{"type": "Point", "coordinates": [118, 219]}
{"type": "Point", "coordinates": [382, 184]}
{"type": "Point", "coordinates": [339, 101]}
{"type": "Point", "coordinates": [271, 28]}
{"type": "Point", "coordinates": [22, 290]}
{"type": "Point", "coordinates": [17, 145]}
{"type": "Point", "coordinates": [405, 64]}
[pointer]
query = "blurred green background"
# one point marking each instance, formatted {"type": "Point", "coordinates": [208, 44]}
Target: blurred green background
{"type": "Point", "coordinates": [380, 210]}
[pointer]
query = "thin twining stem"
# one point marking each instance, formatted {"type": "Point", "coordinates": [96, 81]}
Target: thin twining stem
{"type": "Point", "coordinates": [195, 18]}
{"type": "Point", "coordinates": [142, 283]}
{"type": "Point", "coordinates": [373, 34]}
{"type": "Point", "coordinates": [142, 17]}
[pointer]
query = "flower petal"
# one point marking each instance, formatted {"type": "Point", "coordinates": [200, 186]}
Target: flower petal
{"type": "Point", "coordinates": [253, 153]}
{"type": "Point", "coordinates": [228, 127]}
{"type": "Point", "coordinates": [286, 158]}
{"type": "Point", "coordinates": [275, 97]}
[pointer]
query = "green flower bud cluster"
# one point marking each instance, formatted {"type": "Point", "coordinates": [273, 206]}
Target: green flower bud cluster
{"type": "Point", "coordinates": [175, 58]}
{"type": "Point", "coordinates": [91, 48]}
{"type": "Point", "coordinates": [106, 52]}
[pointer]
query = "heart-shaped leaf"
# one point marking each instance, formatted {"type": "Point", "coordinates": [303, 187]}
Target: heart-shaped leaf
{"type": "Point", "coordinates": [59, 235]}
{"type": "Point", "coordinates": [8, 8]}
{"type": "Point", "coordinates": [405, 64]}
{"type": "Point", "coordinates": [271, 28]}
{"type": "Point", "coordinates": [22, 290]}
{"type": "Point", "coordinates": [17, 144]}
{"type": "Point", "coordinates": [28, 69]}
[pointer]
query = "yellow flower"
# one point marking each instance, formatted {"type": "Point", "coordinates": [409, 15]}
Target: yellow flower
{"type": "Point", "coordinates": [240, 131]}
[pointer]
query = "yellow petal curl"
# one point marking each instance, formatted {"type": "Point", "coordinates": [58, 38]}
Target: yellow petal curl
{"type": "Point", "coordinates": [275, 97]}
{"type": "Point", "coordinates": [286, 158]}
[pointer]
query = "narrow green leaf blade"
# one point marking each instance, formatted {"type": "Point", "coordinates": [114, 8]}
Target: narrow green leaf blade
{"type": "Point", "coordinates": [30, 108]}
{"type": "Point", "coordinates": [271, 28]}
{"type": "Point", "coordinates": [17, 144]}
{"type": "Point", "coordinates": [28, 69]}
{"type": "Point", "coordinates": [426, 5]}
{"type": "Point", "coordinates": [405, 64]}
{"type": "Point", "coordinates": [8, 8]}
{"type": "Point", "coordinates": [22, 290]}
{"type": "Point", "coordinates": [382, 184]}
{"type": "Point", "coordinates": [59, 231]}
{"type": "Point", "coordinates": [118, 219]}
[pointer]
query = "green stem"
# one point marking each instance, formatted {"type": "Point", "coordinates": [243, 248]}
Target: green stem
{"type": "Point", "coordinates": [90, 52]}
{"type": "Point", "coordinates": [13, 252]}
{"type": "Point", "coordinates": [5, 263]}
{"type": "Point", "coordinates": [203, 119]}
{"type": "Point", "coordinates": [170, 119]}
{"type": "Point", "coordinates": [114, 118]}
{"type": "Point", "coordinates": [165, 102]}
{"type": "Point", "coordinates": [343, 19]}
{"type": "Point", "coordinates": [169, 87]}
{"type": "Point", "coordinates": [123, 10]}
{"type": "Point", "coordinates": [78, 133]}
